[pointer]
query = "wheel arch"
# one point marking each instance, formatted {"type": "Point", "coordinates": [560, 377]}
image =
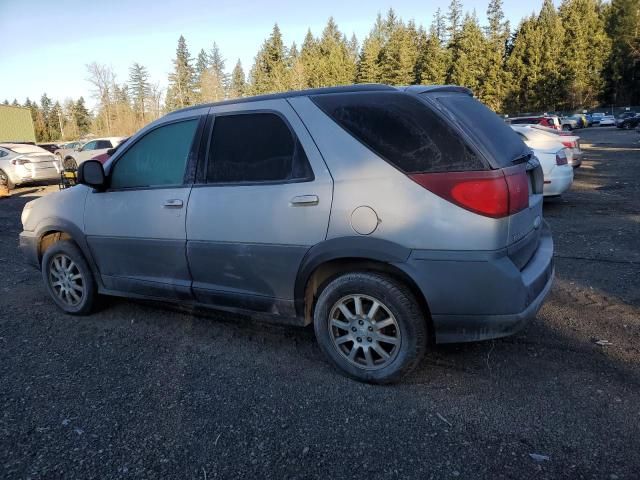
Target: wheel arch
{"type": "Point", "coordinates": [347, 254]}
{"type": "Point", "coordinates": [54, 230]}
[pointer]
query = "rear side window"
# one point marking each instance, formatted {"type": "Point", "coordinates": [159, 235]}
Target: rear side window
{"type": "Point", "coordinates": [402, 130]}
{"type": "Point", "coordinates": [100, 144]}
{"type": "Point", "coordinates": [496, 139]}
{"type": "Point", "coordinates": [159, 158]}
{"type": "Point", "coordinates": [255, 147]}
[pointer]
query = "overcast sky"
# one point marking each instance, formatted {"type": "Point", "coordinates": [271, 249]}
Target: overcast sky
{"type": "Point", "coordinates": [45, 44]}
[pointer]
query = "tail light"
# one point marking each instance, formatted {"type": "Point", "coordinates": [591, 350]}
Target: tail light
{"type": "Point", "coordinates": [20, 161]}
{"type": "Point", "coordinates": [561, 157]}
{"type": "Point", "coordinates": [570, 144]}
{"type": "Point", "coordinates": [491, 193]}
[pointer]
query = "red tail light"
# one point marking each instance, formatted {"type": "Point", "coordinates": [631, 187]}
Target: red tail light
{"type": "Point", "coordinates": [561, 158]}
{"type": "Point", "coordinates": [569, 144]}
{"type": "Point", "coordinates": [492, 193]}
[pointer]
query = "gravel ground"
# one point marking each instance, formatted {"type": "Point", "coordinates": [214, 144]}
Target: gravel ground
{"type": "Point", "coordinates": [141, 391]}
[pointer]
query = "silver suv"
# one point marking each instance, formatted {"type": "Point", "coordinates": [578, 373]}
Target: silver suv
{"type": "Point", "coordinates": [390, 218]}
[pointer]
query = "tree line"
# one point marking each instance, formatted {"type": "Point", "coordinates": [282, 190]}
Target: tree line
{"type": "Point", "coordinates": [578, 55]}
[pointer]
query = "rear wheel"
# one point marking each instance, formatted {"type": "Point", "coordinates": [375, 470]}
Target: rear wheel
{"type": "Point", "coordinates": [68, 278]}
{"type": "Point", "coordinates": [370, 327]}
{"type": "Point", "coordinates": [6, 181]}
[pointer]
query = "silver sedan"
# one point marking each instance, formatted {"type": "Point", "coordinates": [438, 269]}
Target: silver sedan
{"type": "Point", "coordinates": [22, 163]}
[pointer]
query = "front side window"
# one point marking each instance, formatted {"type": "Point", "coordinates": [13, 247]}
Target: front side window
{"type": "Point", "coordinates": [255, 147]}
{"type": "Point", "coordinates": [89, 146]}
{"type": "Point", "coordinates": [159, 158]}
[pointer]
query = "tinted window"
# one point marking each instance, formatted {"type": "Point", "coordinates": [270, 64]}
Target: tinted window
{"type": "Point", "coordinates": [103, 144]}
{"type": "Point", "coordinates": [89, 146]}
{"type": "Point", "coordinates": [255, 147]}
{"type": "Point", "coordinates": [488, 130]}
{"type": "Point", "coordinates": [3, 153]}
{"type": "Point", "coordinates": [158, 158]}
{"type": "Point", "coordinates": [402, 130]}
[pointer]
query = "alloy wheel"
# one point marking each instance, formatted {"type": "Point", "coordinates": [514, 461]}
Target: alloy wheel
{"type": "Point", "coordinates": [364, 331]}
{"type": "Point", "coordinates": [66, 280]}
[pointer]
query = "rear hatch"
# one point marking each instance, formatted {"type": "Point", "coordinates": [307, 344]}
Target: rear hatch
{"type": "Point", "coordinates": [504, 150]}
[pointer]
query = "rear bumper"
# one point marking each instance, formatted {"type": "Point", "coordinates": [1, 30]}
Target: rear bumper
{"type": "Point", "coordinates": [576, 158]}
{"type": "Point", "coordinates": [558, 180]}
{"type": "Point", "coordinates": [476, 296]}
{"type": "Point", "coordinates": [29, 248]}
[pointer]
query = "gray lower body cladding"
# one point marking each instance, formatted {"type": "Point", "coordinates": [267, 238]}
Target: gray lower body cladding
{"type": "Point", "coordinates": [476, 296]}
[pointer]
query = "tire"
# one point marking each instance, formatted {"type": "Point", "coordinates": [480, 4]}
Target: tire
{"type": "Point", "coordinates": [70, 163]}
{"type": "Point", "coordinates": [5, 180]}
{"type": "Point", "coordinates": [626, 126]}
{"type": "Point", "coordinates": [403, 319]}
{"type": "Point", "coordinates": [62, 257]}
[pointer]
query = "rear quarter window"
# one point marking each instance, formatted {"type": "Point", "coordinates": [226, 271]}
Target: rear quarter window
{"type": "Point", "coordinates": [400, 129]}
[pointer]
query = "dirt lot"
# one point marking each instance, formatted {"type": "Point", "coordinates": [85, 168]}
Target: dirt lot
{"type": "Point", "coordinates": [140, 391]}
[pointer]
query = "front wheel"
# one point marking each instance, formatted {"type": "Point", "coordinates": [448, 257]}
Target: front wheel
{"type": "Point", "coordinates": [68, 278]}
{"type": "Point", "coordinates": [370, 327]}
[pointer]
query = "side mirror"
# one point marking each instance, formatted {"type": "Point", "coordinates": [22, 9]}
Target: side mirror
{"type": "Point", "coordinates": [91, 173]}
{"type": "Point", "coordinates": [78, 148]}
{"type": "Point", "coordinates": [111, 151]}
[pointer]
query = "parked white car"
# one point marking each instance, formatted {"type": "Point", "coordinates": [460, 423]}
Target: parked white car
{"type": "Point", "coordinates": [541, 137]}
{"type": "Point", "coordinates": [554, 159]}
{"type": "Point", "coordinates": [89, 150]}
{"type": "Point", "coordinates": [607, 121]}
{"type": "Point", "coordinates": [23, 163]}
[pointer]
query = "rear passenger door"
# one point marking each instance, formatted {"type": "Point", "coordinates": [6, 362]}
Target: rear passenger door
{"type": "Point", "coordinates": [262, 199]}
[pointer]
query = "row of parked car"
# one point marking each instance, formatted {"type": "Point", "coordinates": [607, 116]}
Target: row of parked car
{"type": "Point", "coordinates": [23, 163]}
{"type": "Point", "coordinates": [626, 120]}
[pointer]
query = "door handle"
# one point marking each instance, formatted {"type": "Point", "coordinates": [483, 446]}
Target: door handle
{"type": "Point", "coordinates": [305, 200]}
{"type": "Point", "coordinates": [173, 203]}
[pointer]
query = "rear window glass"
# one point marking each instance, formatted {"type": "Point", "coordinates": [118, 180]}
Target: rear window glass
{"type": "Point", "coordinates": [402, 130]}
{"type": "Point", "coordinates": [490, 132]}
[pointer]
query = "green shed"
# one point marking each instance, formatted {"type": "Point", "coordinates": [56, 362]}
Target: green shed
{"type": "Point", "coordinates": [16, 124]}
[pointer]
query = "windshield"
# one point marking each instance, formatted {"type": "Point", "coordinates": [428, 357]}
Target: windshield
{"type": "Point", "coordinates": [499, 142]}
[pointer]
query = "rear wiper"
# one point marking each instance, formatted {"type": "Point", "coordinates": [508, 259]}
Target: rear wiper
{"type": "Point", "coordinates": [521, 158]}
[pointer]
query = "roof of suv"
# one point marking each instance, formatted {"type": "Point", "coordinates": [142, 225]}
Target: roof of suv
{"type": "Point", "coordinates": [364, 87]}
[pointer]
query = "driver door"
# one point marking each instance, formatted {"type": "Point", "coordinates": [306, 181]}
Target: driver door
{"type": "Point", "coordinates": [136, 228]}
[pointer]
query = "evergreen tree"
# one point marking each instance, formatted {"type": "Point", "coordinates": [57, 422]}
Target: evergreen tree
{"type": "Point", "coordinates": [399, 56]}
{"type": "Point", "coordinates": [368, 68]}
{"type": "Point", "coordinates": [237, 86]}
{"type": "Point", "coordinates": [81, 116]}
{"type": "Point", "coordinates": [181, 91]}
{"type": "Point", "coordinates": [585, 51]}
{"type": "Point", "coordinates": [297, 75]}
{"type": "Point", "coordinates": [335, 65]}
{"type": "Point", "coordinates": [217, 63]}
{"type": "Point", "coordinates": [140, 89]}
{"type": "Point", "coordinates": [622, 74]}
{"type": "Point", "coordinates": [524, 65]}
{"type": "Point", "coordinates": [549, 88]}
{"type": "Point", "coordinates": [55, 122]}
{"type": "Point", "coordinates": [308, 59]}
{"type": "Point", "coordinates": [455, 19]}
{"type": "Point", "coordinates": [6, 102]}
{"type": "Point", "coordinates": [493, 89]}
{"type": "Point", "coordinates": [202, 63]}
{"type": "Point", "coordinates": [15, 103]}
{"type": "Point", "coordinates": [47, 119]}
{"type": "Point", "coordinates": [439, 27]}
{"type": "Point", "coordinates": [468, 55]}
{"type": "Point", "coordinates": [432, 62]}
{"type": "Point", "coordinates": [269, 73]}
